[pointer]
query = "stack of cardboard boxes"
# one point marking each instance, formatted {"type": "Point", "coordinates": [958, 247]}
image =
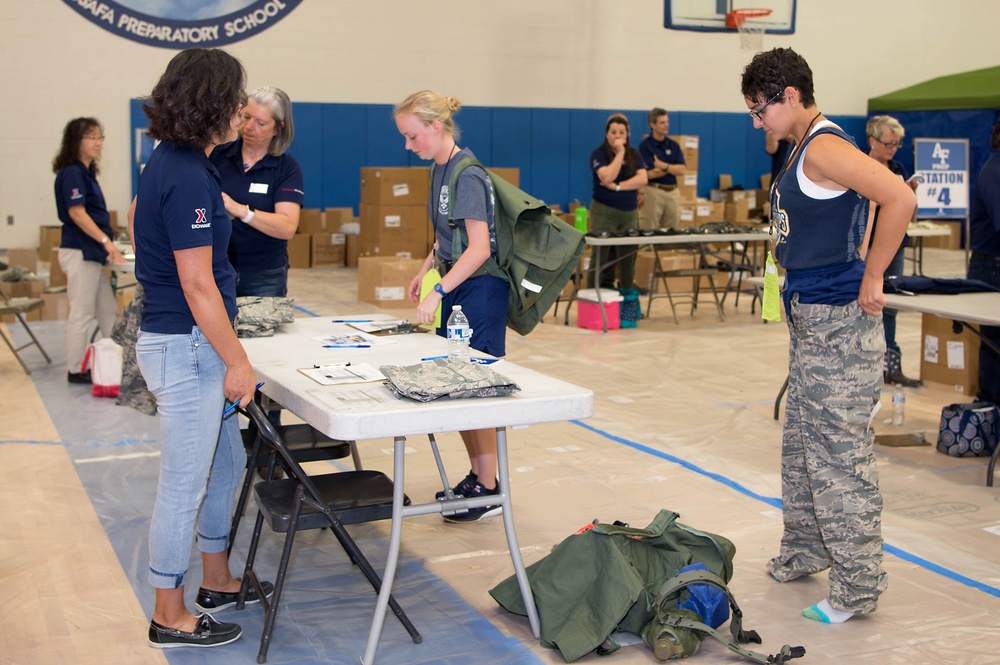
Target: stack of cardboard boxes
{"type": "Point", "coordinates": [393, 212]}
{"type": "Point", "coordinates": [742, 206]}
{"type": "Point", "coordinates": [318, 240]}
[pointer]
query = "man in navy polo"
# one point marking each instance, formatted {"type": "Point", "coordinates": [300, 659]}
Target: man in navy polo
{"type": "Point", "coordinates": [661, 207]}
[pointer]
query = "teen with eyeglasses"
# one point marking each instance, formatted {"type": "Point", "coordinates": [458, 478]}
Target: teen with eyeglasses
{"type": "Point", "coordinates": [832, 509]}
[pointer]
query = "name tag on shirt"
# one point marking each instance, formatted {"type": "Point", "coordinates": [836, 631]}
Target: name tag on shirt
{"type": "Point", "coordinates": [258, 188]}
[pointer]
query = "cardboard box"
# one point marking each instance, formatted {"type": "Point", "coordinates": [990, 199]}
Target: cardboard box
{"type": "Point", "coordinates": [687, 215]}
{"type": "Point", "coordinates": [113, 214]}
{"type": "Point", "coordinates": [395, 186]}
{"type": "Point", "coordinates": [311, 220]}
{"type": "Point", "coordinates": [56, 306]}
{"type": "Point", "coordinates": [949, 358]}
{"type": "Point", "coordinates": [328, 249]}
{"type": "Point", "coordinates": [28, 288]}
{"type": "Point", "coordinates": [383, 280]}
{"type": "Point", "coordinates": [394, 230]}
{"type": "Point", "coordinates": [26, 258]}
{"type": "Point", "coordinates": [300, 251]}
{"type": "Point", "coordinates": [123, 297]}
{"type": "Point", "coordinates": [725, 181]}
{"type": "Point", "coordinates": [511, 175]}
{"type": "Point", "coordinates": [669, 260]}
{"type": "Point", "coordinates": [56, 275]}
{"type": "Point", "coordinates": [953, 241]}
{"type": "Point", "coordinates": [689, 149]}
{"type": "Point", "coordinates": [738, 211]}
{"type": "Point", "coordinates": [337, 216]}
{"type": "Point", "coordinates": [48, 237]}
{"type": "Point", "coordinates": [352, 249]}
{"type": "Point", "coordinates": [688, 186]}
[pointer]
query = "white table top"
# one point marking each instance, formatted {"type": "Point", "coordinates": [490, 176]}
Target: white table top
{"type": "Point", "coordinates": [368, 410]}
{"type": "Point", "coordinates": [980, 308]}
{"type": "Point", "coordinates": [680, 239]}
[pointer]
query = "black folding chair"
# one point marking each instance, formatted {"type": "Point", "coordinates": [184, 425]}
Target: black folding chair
{"type": "Point", "coordinates": [304, 443]}
{"type": "Point", "coordinates": [301, 502]}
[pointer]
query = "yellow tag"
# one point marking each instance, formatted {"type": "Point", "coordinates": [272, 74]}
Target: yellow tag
{"type": "Point", "coordinates": [770, 309]}
{"type": "Point", "coordinates": [426, 286]}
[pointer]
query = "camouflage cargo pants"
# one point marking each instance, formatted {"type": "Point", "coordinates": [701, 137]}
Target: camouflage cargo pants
{"type": "Point", "coordinates": [829, 488]}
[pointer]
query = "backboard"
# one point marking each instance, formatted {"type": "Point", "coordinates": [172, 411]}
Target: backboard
{"type": "Point", "coordinates": [710, 15]}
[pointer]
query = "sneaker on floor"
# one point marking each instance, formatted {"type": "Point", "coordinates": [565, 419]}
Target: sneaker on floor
{"type": "Point", "coordinates": [81, 377]}
{"type": "Point", "coordinates": [215, 601]}
{"type": "Point", "coordinates": [475, 514]}
{"type": "Point", "coordinates": [208, 632]}
{"type": "Point", "coordinates": [465, 485]}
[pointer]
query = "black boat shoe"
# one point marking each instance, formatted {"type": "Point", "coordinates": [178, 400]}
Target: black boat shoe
{"type": "Point", "coordinates": [208, 632]}
{"type": "Point", "coordinates": [215, 601]}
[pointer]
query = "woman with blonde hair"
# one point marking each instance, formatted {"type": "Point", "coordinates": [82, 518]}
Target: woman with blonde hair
{"type": "Point", "coordinates": [426, 120]}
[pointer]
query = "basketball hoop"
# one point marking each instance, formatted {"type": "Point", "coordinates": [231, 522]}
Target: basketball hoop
{"type": "Point", "coordinates": [751, 32]}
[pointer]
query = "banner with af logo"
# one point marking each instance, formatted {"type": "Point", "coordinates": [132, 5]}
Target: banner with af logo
{"type": "Point", "coordinates": [943, 165]}
{"type": "Point", "coordinates": [181, 25]}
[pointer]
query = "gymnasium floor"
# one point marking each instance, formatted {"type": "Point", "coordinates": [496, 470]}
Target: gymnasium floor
{"type": "Point", "coordinates": [682, 421]}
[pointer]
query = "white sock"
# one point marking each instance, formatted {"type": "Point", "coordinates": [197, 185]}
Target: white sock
{"type": "Point", "coordinates": [823, 612]}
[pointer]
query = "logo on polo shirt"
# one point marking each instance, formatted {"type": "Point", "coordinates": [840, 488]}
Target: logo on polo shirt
{"type": "Point", "coordinates": [76, 194]}
{"type": "Point", "coordinates": [202, 221]}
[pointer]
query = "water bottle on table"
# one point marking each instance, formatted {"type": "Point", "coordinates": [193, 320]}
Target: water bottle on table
{"type": "Point", "coordinates": [459, 334]}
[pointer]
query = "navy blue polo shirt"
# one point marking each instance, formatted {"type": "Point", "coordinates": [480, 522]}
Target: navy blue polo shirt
{"type": "Point", "coordinates": [270, 181]}
{"type": "Point", "coordinates": [904, 175]}
{"type": "Point", "coordinates": [179, 206]}
{"type": "Point", "coordinates": [984, 219]}
{"type": "Point", "coordinates": [667, 151]}
{"type": "Point", "coordinates": [609, 197]}
{"type": "Point", "coordinates": [76, 185]}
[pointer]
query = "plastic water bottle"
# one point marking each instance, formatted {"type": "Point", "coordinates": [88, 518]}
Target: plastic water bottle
{"type": "Point", "coordinates": [580, 219]}
{"type": "Point", "coordinates": [459, 334]}
{"type": "Point", "coordinates": [898, 405]}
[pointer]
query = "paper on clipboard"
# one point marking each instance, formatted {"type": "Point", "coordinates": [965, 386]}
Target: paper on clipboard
{"type": "Point", "coordinates": [431, 278]}
{"type": "Point", "coordinates": [336, 374]}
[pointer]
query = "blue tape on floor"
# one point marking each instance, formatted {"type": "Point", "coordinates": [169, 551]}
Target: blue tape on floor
{"type": "Point", "coordinates": [776, 503]}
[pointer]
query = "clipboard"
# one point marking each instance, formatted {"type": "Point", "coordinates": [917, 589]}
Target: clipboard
{"type": "Point", "coordinates": [431, 277]}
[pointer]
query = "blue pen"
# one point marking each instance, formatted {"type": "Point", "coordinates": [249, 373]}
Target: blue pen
{"type": "Point", "coordinates": [432, 358]}
{"type": "Point", "coordinates": [229, 409]}
{"type": "Point", "coordinates": [347, 346]}
{"type": "Point", "coordinates": [353, 320]}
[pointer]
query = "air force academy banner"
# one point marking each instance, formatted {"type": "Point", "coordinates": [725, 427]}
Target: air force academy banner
{"type": "Point", "coordinates": [180, 24]}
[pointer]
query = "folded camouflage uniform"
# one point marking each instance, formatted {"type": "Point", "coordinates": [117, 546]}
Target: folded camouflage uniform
{"type": "Point", "coordinates": [259, 316]}
{"type": "Point", "coordinates": [435, 379]}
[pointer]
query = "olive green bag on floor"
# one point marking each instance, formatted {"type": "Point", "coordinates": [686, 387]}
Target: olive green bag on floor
{"type": "Point", "coordinates": [611, 577]}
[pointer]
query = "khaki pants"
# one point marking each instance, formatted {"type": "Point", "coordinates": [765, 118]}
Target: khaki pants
{"type": "Point", "coordinates": [661, 209]}
{"type": "Point", "coordinates": [91, 304]}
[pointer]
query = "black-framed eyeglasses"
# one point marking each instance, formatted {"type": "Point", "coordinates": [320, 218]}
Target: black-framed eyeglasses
{"type": "Point", "coordinates": [757, 115]}
{"type": "Point", "coordinates": [891, 144]}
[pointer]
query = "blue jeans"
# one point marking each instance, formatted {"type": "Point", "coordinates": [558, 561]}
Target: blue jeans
{"type": "Point", "coordinates": [265, 283]}
{"type": "Point", "coordinates": [202, 456]}
{"type": "Point", "coordinates": [987, 269]}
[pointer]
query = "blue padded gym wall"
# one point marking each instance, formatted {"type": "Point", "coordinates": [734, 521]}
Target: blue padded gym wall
{"type": "Point", "coordinates": [551, 147]}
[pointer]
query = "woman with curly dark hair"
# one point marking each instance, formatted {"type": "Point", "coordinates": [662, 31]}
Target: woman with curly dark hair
{"type": "Point", "coordinates": [86, 240]}
{"type": "Point", "coordinates": [619, 174]}
{"type": "Point", "coordinates": [832, 508]}
{"type": "Point", "coordinates": [187, 348]}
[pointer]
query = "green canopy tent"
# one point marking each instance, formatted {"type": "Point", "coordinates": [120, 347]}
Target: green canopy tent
{"type": "Point", "coordinates": [979, 89]}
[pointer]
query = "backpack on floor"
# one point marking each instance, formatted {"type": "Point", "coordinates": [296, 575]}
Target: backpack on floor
{"type": "Point", "coordinates": [665, 583]}
{"type": "Point", "coordinates": [969, 430]}
{"type": "Point", "coordinates": [537, 251]}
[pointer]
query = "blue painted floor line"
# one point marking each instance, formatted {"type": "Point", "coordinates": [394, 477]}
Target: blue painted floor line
{"type": "Point", "coordinates": [776, 503]}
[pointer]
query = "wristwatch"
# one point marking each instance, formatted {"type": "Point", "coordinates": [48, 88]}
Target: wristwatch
{"type": "Point", "coordinates": [104, 240]}
{"type": "Point", "coordinates": [439, 289]}
{"type": "Point", "coordinates": [618, 187]}
{"type": "Point", "coordinates": [249, 215]}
